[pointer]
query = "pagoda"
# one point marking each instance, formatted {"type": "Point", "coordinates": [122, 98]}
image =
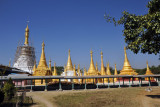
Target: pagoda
{"type": "Point", "coordinates": [92, 70]}
{"type": "Point", "coordinates": [148, 72]}
{"type": "Point", "coordinates": [127, 69]}
{"type": "Point", "coordinates": [115, 73]}
{"type": "Point", "coordinates": [108, 72]}
{"type": "Point", "coordinates": [25, 55]}
{"type": "Point", "coordinates": [69, 70]}
{"type": "Point", "coordinates": [102, 69]}
{"type": "Point", "coordinates": [42, 69]}
{"type": "Point", "coordinates": [54, 73]}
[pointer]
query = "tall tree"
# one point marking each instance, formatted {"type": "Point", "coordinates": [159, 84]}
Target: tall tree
{"type": "Point", "coordinates": [142, 32]}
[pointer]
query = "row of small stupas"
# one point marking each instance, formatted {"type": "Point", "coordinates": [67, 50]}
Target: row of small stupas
{"type": "Point", "coordinates": [69, 70]}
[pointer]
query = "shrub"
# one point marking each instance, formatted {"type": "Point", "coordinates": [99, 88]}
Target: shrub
{"type": "Point", "coordinates": [9, 89]}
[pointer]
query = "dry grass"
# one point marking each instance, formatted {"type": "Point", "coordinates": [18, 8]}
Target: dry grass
{"type": "Point", "coordinates": [113, 97]}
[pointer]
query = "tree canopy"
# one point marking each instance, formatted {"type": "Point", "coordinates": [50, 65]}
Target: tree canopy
{"type": "Point", "coordinates": [142, 32]}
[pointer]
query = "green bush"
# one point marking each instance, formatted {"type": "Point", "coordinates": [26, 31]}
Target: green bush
{"type": "Point", "coordinates": [9, 89]}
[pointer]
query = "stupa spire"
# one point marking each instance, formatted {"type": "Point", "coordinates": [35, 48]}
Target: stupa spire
{"type": "Point", "coordinates": [148, 71]}
{"type": "Point", "coordinates": [115, 71]}
{"type": "Point", "coordinates": [50, 64]}
{"type": "Point", "coordinates": [92, 68]}
{"type": "Point", "coordinates": [85, 72]}
{"type": "Point", "coordinates": [42, 62]}
{"type": "Point", "coordinates": [127, 69]}
{"type": "Point", "coordinates": [126, 61]}
{"type": "Point", "coordinates": [69, 66]}
{"type": "Point", "coordinates": [108, 70]}
{"type": "Point", "coordinates": [26, 35]}
{"type": "Point", "coordinates": [102, 65]}
{"type": "Point", "coordinates": [75, 74]}
{"type": "Point", "coordinates": [78, 70]}
{"type": "Point", "coordinates": [74, 69]}
{"type": "Point", "coordinates": [97, 67]}
{"type": "Point", "coordinates": [55, 70]}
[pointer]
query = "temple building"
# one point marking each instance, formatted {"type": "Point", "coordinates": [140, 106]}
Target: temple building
{"type": "Point", "coordinates": [68, 69]}
{"type": "Point", "coordinates": [25, 55]}
{"type": "Point", "coordinates": [42, 69]}
{"type": "Point", "coordinates": [148, 72]}
{"type": "Point", "coordinates": [127, 69]}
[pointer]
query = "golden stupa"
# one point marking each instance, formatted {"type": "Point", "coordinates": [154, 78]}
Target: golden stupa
{"type": "Point", "coordinates": [98, 73]}
{"type": "Point", "coordinates": [127, 69]}
{"type": "Point", "coordinates": [79, 73]}
{"type": "Point", "coordinates": [69, 66]}
{"type": "Point", "coordinates": [102, 65]}
{"type": "Point", "coordinates": [50, 65]}
{"type": "Point", "coordinates": [115, 73]}
{"type": "Point", "coordinates": [75, 74]}
{"type": "Point", "coordinates": [78, 70]}
{"type": "Point", "coordinates": [42, 69]}
{"type": "Point", "coordinates": [148, 72]}
{"type": "Point", "coordinates": [92, 70]}
{"type": "Point", "coordinates": [108, 72]}
{"type": "Point", "coordinates": [102, 72]}
{"type": "Point", "coordinates": [54, 73]}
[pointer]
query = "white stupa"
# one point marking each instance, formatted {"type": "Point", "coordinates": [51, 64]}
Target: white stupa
{"type": "Point", "coordinates": [25, 55]}
{"type": "Point", "coordinates": [68, 69]}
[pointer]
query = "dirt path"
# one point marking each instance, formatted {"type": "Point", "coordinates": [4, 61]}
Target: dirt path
{"type": "Point", "coordinates": [41, 100]}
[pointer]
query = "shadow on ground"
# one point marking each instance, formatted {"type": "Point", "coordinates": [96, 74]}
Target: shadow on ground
{"type": "Point", "coordinates": [153, 96]}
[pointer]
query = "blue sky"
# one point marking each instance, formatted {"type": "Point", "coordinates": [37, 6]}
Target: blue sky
{"type": "Point", "coordinates": [77, 25]}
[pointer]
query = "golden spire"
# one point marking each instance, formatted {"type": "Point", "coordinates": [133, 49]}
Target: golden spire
{"type": "Point", "coordinates": [78, 70]}
{"type": "Point", "coordinates": [127, 69]}
{"type": "Point", "coordinates": [34, 67]}
{"type": "Point", "coordinates": [10, 63]}
{"type": "Point", "coordinates": [126, 62]}
{"type": "Point", "coordinates": [75, 74]}
{"type": "Point", "coordinates": [55, 70]}
{"type": "Point", "coordinates": [97, 67]}
{"type": "Point", "coordinates": [85, 72]}
{"type": "Point", "coordinates": [115, 71]}
{"type": "Point", "coordinates": [92, 69]}
{"type": "Point", "coordinates": [50, 64]}
{"type": "Point", "coordinates": [108, 70]}
{"type": "Point", "coordinates": [74, 69]}
{"type": "Point", "coordinates": [69, 66]}
{"type": "Point", "coordinates": [148, 71]}
{"type": "Point", "coordinates": [102, 65]}
{"type": "Point", "coordinates": [26, 35]}
{"type": "Point", "coordinates": [42, 62]}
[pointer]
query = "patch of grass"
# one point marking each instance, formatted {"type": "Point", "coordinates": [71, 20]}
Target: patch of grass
{"type": "Point", "coordinates": [12, 103]}
{"type": "Point", "coordinates": [110, 98]}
